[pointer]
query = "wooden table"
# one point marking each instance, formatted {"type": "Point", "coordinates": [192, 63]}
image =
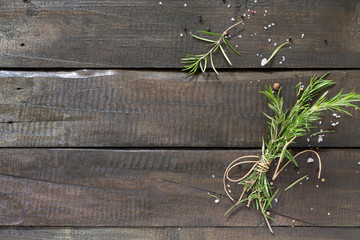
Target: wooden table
{"type": "Point", "coordinates": [105, 138]}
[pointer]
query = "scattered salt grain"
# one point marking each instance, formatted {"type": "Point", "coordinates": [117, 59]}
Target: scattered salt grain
{"type": "Point", "coordinates": [328, 214]}
{"type": "Point", "coordinates": [307, 178]}
{"type": "Point", "coordinates": [335, 115]}
{"type": "Point", "coordinates": [269, 40]}
{"type": "Point", "coordinates": [320, 139]}
{"type": "Point", "coordinates": [265, 11]}
{"type": "Point", "coordinates": [310, 160]}
{"type": "Point", "coordinates": [276, 200]}
{"type": "Point", "coordinates": [228, 5]}
{"type": "Point", "coordinates": [185, 4]}
{"type": "Point", "coordinates": [255, 1]}
{"type": "Point", "coordinates": [263, 61]}
{"type": "Point", "coordinates": [280, 62]}
{"type": "Point", "coordinates": [293, 221]}
{"type": "Point", "coordinates": [320, 122]}
{"type": "Point", "coordinates": [312, 209]}
{"type": "Point", "coordinates": [217, 200]}
{"type": "Point", "coordinates": [240, 36]}
{"type": "Point", "coordinates": [179, 229]}
{"type": "Point", "coordinates": [213, 176]}
{"type": "Point", "coordinates": [229, 190]}
{"type": "Point", "coordinates": [269, 25]}
{"type": "Point", "coordinates": [273, 24]}
{"type": "Point", "coordinates": [271, 183]}
{"type": "Point", "coordinates": [265, 28]}
{"type": "Point", "coordinates": [334, 124]}
{"type": "Point", "coordinates": [233, 19]}
{"type": "Point", "coordinates": [257, 54]}
{"type": "Point", "coordinates": [317, 185]}
{"type": "Point", "coordinates": [359, 163]}
{"type": "Point", "coordinates": [160, 3]}
{"type": "Point", "coordinates": [283, 58]}
{"type": "Point", "coordinates": [236, 46]}
{"type": "Point", "coordinates": [275, 44]}
{"type": "Point", "coordinates": [181, 35]}
{"type": "Point", "coordinates": [307, 139]}
{"type": "Point", "coordinates": [227, 185]}
{"type": "Point", "coordinates": [300, 183]}
{"type": "Point", "coordinates": [289, 47]}
{"type": "Point", "coordinates": [302, 35]}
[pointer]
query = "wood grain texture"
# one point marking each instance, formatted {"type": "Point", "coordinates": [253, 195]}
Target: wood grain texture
{"type": "Point", "coordinates": [159, 188]}
{"type": "Point", "coordinates": [145, 34]}
{"type": "Point", "coordinates": [154, 109]}
{"type": "Point", "coordinates": [167, 233]}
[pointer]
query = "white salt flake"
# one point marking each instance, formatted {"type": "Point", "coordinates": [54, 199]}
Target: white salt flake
{"type": "Point", "coordinates": [320, 139]}
{"type": "Point", "coordinates": [310, 160]}
{"type": "Point", "coordinates": [293, 221]}
{"type": "Point", "coordinates": [269, 40]}
{"type": "Point", "coordinates": [280, 62]}
{"type": "Point", "coordinates": [181, 35]}
{"type": "Point", "coordinates": [317, 185]}
{"type": "Point", "coordinates": [229, 190]}
{"type": "Point", "coordinates": [269, 25]}
{"type": "Point", "coordinates": [179, 229]}
{"type": "Point", "coordinates": [273, 24]}
{"type": "Point", "coordinates": [307, 139]}
{"type": "Point", "coordinates": [265, 11]}
{"type": "Point", "coordinates": [307, 178]}
{"type": "Point", "coordinates": [213, 176]}
{"type": "Point", "coordinates": [233, 19]}
{"type": "Point", "coordinates": [312, 209]}
{"type": "Point", "coordinates": [236, 46]}
{"type": "Point", "coordinates": [283, 58]}
{"type": "Point", "coordinates": [263, 61]}
{"type": "Point", "coordinates": [302, 35]}
{"type": "Point", "coordinates": [320, 122]}
{"type": "Point", "coordinates": [227, 185]}
{"type": "Point", "coordinates": [265, 28]}
{"type": "Point", "coordinates": [240, 36]}
{"type": "Point", "coordinates": [275, 44]}
{"type": "Point", "coordinates": [185, 4]}
{"type": "Point", "coordinates": [257, 54]}
{"type": "Point", "coordinates": [276, 200]}
{"type": "Point", "coordinates": [160, 3]}
{"type": "Point", "coordinates": [217, 200]}
{"type": "Point", "coordinates": [271, 183]}
{"type": "Point", "coordinates": [359, 163]}
{"type": "Point", "coordinates": [228, 5]}
{"type": "Point", "coordinates": [328, 214]}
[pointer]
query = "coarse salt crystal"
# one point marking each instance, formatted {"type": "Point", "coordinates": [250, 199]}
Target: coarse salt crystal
{"type": "Point", "coordinates": [217, 200]}
{"type": "Point", "coordinates": [275, 44]}
{"type": "Point", "coordinates": [276, 200]}
{"type": "Point", "coordinates": [233, 19]}
{"type": "Point", "coordinates": [269, 40]}
{"type": "Point", "coordinates": [240, 36]}
{"type": "Point", "coordinates": [302, 35]}
{"type": "Point", "coordinates": [263, 61]}
{"type": "Point", "coordinates": [265, 28]}
{"type": "Point", "coordinates": [160, 3]}
{"type": "Point", "coordinates": [185, 4]}
{"type": "Point", "coordinates": [310, 160]}
{"type": "Point", "coordinates": [181, 34]}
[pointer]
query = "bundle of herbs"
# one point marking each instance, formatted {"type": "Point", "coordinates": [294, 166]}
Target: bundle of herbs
{"type": "Point", "coordinates": [285, 126]}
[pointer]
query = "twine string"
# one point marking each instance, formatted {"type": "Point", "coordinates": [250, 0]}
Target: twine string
{"type": "Point", "coordinates": [261, 165]}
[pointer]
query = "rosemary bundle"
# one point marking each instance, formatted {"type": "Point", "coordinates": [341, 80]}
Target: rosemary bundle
{"type": "Point", "coordinates": [285, 127]}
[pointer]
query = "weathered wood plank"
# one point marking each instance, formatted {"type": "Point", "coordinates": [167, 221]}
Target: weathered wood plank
{"type": "Point", "coordinates": [147, 108]}
{"type": "Point", "coordinates": [70, 187]}
{"type": "Point", "coordinates": [167, 233]}
{"type": "Point", "coordinates": [144, 33]}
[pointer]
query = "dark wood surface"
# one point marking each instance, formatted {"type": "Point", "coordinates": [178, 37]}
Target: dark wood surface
{"type": "Point", "coordinates": [166, 188]}
{"type": "Point", "coordinates": [154, 109]}
{"type": "Point", "coordinates": [259, 233]}
{"type": "Point", "coordinates": [103, 137]}
{"type": "Point", "coordinates": [143, 33]}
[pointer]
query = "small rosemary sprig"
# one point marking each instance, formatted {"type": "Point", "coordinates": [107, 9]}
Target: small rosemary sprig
{"type": "Point", "coordinates": [285, 126]}
{"type": "Point", "coordinates": [192, 62]}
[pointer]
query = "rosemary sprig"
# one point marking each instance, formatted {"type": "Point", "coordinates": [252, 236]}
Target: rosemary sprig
{"type": "Point", "coordinates": [192, 62]}
{"type": "Point", "coordinates": [285, 126]}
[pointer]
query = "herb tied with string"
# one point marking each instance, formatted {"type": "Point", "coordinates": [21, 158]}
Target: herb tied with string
{"type": "Point", "coordinates": [285, 127]}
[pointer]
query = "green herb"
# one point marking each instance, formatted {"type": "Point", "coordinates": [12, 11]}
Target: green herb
{"type": "Point", "coordinates": [192, 62]}
{"type": "Point", "coordinates": [285, 126]}
{"type": "Point", "coordinates": [294, 183]}
{"type": "Point", "coordinates": [266, 61]}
